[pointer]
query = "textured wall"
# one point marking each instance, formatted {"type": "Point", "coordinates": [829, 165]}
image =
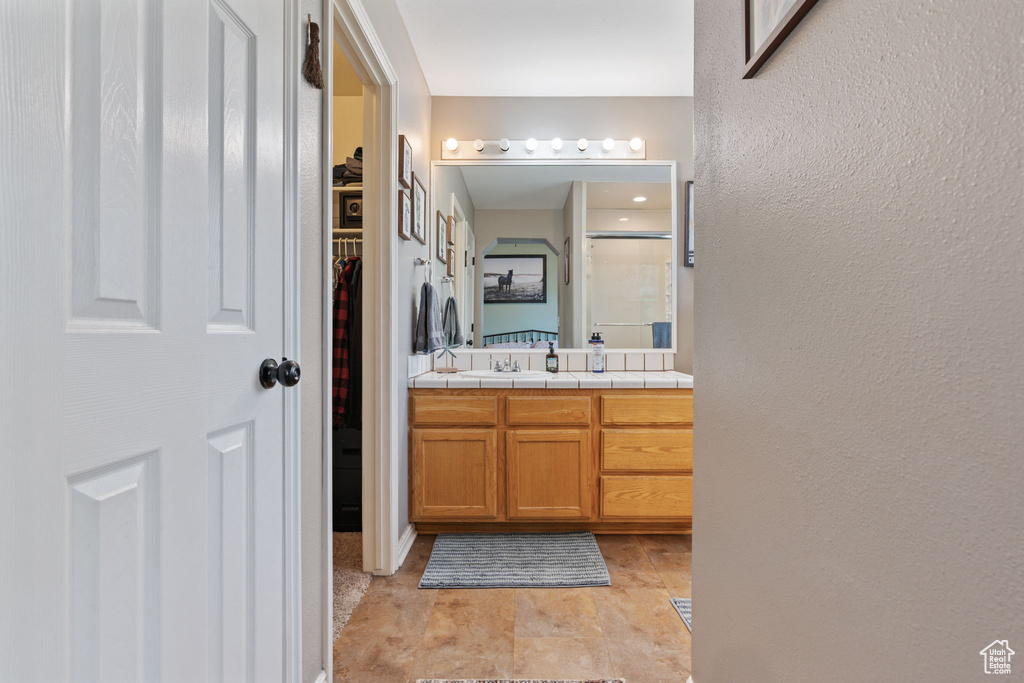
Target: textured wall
{"type": "Point", "coordinates": [860, 346]}
{"type": "Point", "coordinates": [665, 122]}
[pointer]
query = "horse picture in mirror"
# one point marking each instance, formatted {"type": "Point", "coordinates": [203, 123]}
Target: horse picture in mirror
{"type": "Point", "coordinates": [515, 279]}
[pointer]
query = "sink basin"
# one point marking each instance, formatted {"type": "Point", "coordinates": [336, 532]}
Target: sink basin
{"type": "Point", "coordinates": [511, 375]}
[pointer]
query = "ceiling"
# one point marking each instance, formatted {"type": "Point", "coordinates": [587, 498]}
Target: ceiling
{"type": "Point", "coordinates": [620, 196]}
{"type": "Point", "coordinates": [553, 48]}
{"type": "Point", "coordinates": [546, 187]}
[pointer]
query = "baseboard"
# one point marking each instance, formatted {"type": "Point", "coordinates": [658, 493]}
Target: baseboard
{"type": "Point", "coordinates": [689, 680]}
{"type": "Point", "coordinates": [322, 678]}
{"type": "Point", "coordinates": [405, 544]}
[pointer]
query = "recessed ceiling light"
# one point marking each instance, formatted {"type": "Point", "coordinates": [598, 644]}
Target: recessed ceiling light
{"type": "Point", "coordinates": [623, 220]}
{"type": "Point", "coordinates": [639, 199]}
{"type": "Point", "coordinates": [452, 144]}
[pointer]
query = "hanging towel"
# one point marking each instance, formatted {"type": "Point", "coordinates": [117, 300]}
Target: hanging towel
{"type": "Point", "coordinates": [662, 335]}
{"type": "Point", "coordinates": [452, 326]}
{"type": "Point", "coordinates": [429, 332]}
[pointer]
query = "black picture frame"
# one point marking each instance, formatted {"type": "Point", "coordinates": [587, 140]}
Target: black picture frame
{"type": "Point", "coordinates": [688, 226]}
{"type": "Point", "coordinates": [755, 56]}
{"type": "Point", "coordinates": [526, 292]}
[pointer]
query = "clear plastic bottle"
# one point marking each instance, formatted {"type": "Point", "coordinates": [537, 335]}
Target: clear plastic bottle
{"type": "Point", "coordinates": [596, 353]}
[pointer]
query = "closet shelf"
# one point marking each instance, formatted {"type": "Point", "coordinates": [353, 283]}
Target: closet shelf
{"type": "Point", "coordinates": [355, 232]}
{"type": "Point", "coordinates": [347, 189]}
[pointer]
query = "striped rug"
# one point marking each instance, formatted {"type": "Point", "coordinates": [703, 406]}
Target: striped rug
{"type": "Point", "coordinates": [548, 560]}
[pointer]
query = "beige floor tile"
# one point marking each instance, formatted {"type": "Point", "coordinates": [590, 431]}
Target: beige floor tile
{"type": "Point", "coordinates": [628, 563]}
{"type": "Point", "coordinates": [556, 613]}
{"type": "Point", "coordinates": [640, 617]}
{"type": "Point", "coordinates": [666, 543]}
{"type": "Point", "coordinates": [559, 658]}
{"type": "Point", "coordinates": [637, 663]}
{"type": "Point", "coordinates": [469, 635]}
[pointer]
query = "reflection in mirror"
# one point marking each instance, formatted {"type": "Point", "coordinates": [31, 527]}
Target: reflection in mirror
{"type": "Point", "coordinates": [552, 253]}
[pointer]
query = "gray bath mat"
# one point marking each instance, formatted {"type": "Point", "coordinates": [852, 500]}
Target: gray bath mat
{"type": "Point", "coordinates": [555, 560]}
{"type": "Point", "coordinates": [682, 606]}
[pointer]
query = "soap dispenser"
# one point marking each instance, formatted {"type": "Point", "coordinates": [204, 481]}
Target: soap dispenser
{"type": "Point", "coordinates": [596, 353]}
{"type": "Point", "coordinates": [551, 360]}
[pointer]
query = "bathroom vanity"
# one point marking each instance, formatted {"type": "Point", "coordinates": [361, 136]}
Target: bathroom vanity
{"type": "Point", "coordinates": [610, 452]}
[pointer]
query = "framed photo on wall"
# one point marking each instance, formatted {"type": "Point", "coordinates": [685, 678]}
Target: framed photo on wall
{"type": "Point", "coordinates": [451, 230]}
{"type": "Point", "coordinates": [566, 259]}
{"type": "Point", "coordinates": [419, 210]}
{"type": "Point", "coordinates": [404, 215]}
{"type": "Point", "coordinates": [766, 25]}
{"type": "Point", "coordinates": [515, 279]}
{"type": "Point", "coordinates": [441, 240]}
{"type": "Point", "coordinates": [688, 226]}
{"type": "Point", "coordinates": [451, 263]}
{"type": "Point", "coordinates": [404, 162]}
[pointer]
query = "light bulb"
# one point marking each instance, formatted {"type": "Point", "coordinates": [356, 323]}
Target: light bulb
{"type": "Point", "coordinates": [478, 145]}
{"type": "Point", "coordinates": [582, 143]}
{"type": "Point", "coordinates": [635, 144]}
{"type": "Point", "coordinates": [608, 144]}
{"type": "Point", "coordinates": [639, 199]}
{"type": "Point", "coordinates": [504, 144]}
{"type": "Point", "coordinates": [531, 145]}
{"type": "Point", "coordinates": [556, 144]}
{"type": "Point", "coordinates": [452, 144]}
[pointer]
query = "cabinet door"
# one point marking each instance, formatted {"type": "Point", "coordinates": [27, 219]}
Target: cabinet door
{"type": "Point", "coordinates": [454, 473]}
{"type": "Point", "coordinates": [549, 474]}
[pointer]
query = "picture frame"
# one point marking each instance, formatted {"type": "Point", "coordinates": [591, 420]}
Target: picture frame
{"type": "Point", "coordinates": [404, 215]}
{"type": "Point", "coordinates": [451, 231]}
{"type": "Point", "coordinates": [566, 259]}
{"type": "Point", "coordinates": [352, 210]}
{"type": "Point", "coordinates": [766, 25]}
{"type": "Point", "coordinates": [405, 162]}
{"type": "Point", "coordinates": [451, 262]}
{"type": "Point", "coordinates": [515, 279]}
{"type": "Point", "coordinates": [419, 210]}
{"type": "Point", "coordinates": [688, 226]}
{"type": "Point", "coordinates": [441, 238]}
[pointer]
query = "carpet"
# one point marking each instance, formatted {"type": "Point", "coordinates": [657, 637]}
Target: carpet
{"type": "Point", "coordinates": [547, 560]}
{"type": "Point", "coordinates": [350, 582]}
{"type": "Point", "coordinates": [682, 606]}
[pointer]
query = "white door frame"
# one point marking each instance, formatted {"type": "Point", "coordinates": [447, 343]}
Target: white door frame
{"type": "Point", "coordinates": [382, 442]}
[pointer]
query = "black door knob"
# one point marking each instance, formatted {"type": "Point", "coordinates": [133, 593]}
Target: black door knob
{"type": "Point", "coordinates": [287, 373]}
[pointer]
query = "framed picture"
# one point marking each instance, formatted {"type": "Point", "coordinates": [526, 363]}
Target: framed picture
{"type": "Point", "coordinates": [404, 215]}
{"type": "Point", "coordinates": [566, 258]}
{"type": "Point", "coordinates": [515, 279]}
{"type": "Point", "coordinates": [451, 262]}
{"type": "Point", "coordinates": [352, 210]}
{"type": "Point", "coordinates": [442, 238]}
{"type": "Point", "coordinates": [688, 226]}
{"type": "Point", "coordinates": [419, 210]}
{"type": "Point", "coordinates": [404, 162]}
{"type": "Point", "coordinates": [766, 25]}
{"type": "Point", "coordinates": [451, 230]}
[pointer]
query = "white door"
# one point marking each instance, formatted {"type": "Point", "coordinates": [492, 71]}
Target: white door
{"type": "Point", "coordinates": [468, 302]}
{"type": "Point", "coordinates": [141, 276]}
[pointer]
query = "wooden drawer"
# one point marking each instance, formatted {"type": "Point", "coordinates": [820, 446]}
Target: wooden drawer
{"type": "Point", "coordinates": [630, 410]}
{"type": "Point", "coordinates": [662, 497]}
{"type": "Point", "coordinates": [455, 410]}
{"type": "Point", "coordinates": [653, 450]}
{"type": "Point", "coordinates": [548, 410]}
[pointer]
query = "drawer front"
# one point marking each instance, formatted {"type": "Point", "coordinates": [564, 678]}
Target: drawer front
{"type": "Point", "coordinates": [647, 450]}
{"type": "Point", "coordinates": [667, 410]}
{"type": "Point", "coordinates": [661, 497]}
{"type": "Point", "coordinates": [455, 410]}
{"type": "Point", "coordinates": [548, 410]}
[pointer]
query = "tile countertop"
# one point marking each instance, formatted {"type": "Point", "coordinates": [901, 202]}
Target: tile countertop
{"type": "Point", "coordinates": [562, 380]}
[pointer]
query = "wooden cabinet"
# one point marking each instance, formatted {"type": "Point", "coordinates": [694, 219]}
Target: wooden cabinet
{"type": "Point", "coordinates": [454, 473]}
{"type": "Point", "coordinates": [607, 460]}
{"type": "Point", "coordinates": [548, 474]}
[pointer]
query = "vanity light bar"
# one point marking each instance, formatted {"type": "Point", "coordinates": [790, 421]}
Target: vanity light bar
{"type": "Point", "coordinates": [608, 148]}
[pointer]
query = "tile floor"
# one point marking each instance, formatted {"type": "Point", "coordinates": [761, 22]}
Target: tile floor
{"type": "Point", "coordinates": [399, 633]}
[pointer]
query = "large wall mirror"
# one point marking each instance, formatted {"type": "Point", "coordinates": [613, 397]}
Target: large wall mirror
{"type": "Point", "coordinates": [555, 251]}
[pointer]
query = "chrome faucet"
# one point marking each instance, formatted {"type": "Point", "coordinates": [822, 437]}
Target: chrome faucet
{"type": "Point", "coordinates": [515, 367]}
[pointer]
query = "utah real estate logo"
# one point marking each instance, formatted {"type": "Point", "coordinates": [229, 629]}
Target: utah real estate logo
{"type": "Point", "coordinates": [997, 657]}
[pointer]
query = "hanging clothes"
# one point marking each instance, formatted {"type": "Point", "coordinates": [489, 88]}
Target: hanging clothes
{"type": "Point", "coordinates": [353, 411]}
{"type": "Point", "coordinates": [341, 366]}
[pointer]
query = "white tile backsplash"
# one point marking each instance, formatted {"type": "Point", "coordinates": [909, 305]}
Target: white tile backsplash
{"type": "Point", "coordinates": [577, 362]}
{"type": "Point", "coordinates": [614, 361]}
{"type": "Point", "coordinates": [634, 362]}
{"type": "Point", "coordinates": [480, 361]}
{"type": "Point", "coordinates": [654, 361]}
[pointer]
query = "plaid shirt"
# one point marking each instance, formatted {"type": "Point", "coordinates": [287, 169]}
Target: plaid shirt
{"type": "Point", "coordinates": [341, 372]}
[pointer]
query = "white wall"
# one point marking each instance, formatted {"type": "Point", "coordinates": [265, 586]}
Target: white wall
{"type": "Point", "coordinates": [858, 508]}
{"type": "Point", "coordinates": [665, 122]}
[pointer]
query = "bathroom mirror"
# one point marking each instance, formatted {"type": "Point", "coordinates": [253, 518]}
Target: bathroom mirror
{"type": "Point", "coordinates": [555, 251]}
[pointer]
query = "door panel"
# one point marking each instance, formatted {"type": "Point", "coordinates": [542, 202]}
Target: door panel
{"type": "Point", "coordinates": [549, 474]}
{"type": "Point", "coordinates": [455, 473]}
{"type": "Point", "coordinates": [149, 468]}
